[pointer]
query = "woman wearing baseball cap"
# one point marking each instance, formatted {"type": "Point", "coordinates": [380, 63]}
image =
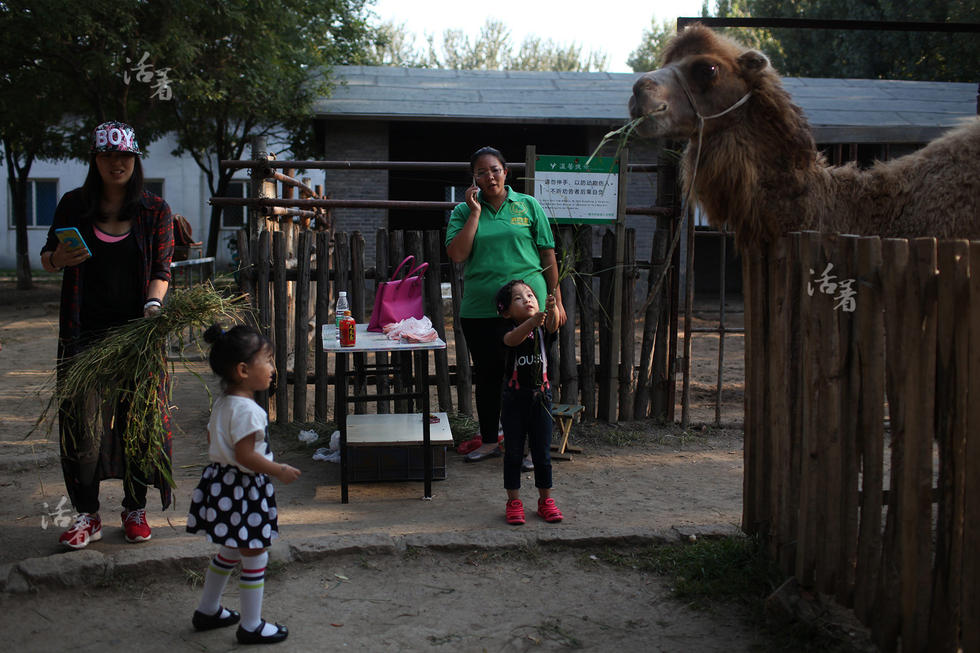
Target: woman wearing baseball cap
{"type": "Point", "coordinates": [121, 275]}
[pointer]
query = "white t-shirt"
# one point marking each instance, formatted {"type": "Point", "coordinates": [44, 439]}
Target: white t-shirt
{"type": "Point", "coordinates": [233, 418]}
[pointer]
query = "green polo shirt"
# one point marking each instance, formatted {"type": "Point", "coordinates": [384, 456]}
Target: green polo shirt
{"type": "Point", "coordinates": [505, 247]}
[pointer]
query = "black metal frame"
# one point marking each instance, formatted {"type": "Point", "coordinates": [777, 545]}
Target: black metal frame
{"type": "Point", "coordinates": [420, 394]}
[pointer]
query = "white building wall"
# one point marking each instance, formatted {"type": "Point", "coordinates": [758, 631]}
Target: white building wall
{"type": "Point", "coordinates": [184, 188]}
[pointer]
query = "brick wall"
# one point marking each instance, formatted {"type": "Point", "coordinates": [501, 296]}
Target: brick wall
{"type": "Point", "coordinates": [357, 140]}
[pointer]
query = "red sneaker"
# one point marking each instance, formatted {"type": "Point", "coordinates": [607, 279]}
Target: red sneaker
{"type": "Point", "coordinates": [548, 511]}
{"type": "Point", "coordinates": [514, 513]}
{"type": "Point", "coordinates": [134, 523]}
{"type": "Point", "coordinates": [87, 528]}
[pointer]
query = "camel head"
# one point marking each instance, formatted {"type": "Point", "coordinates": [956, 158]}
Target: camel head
{"type": "Point", "coordinates": [703, 74]}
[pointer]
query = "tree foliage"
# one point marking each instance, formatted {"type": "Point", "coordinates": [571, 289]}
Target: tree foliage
{"type": "Point", "coordinates": [861, 54]}
{"type": "Point", "coordinates": [41, 64]}
{"type": "Point", "coordinates": [647, 55]}
{"type": "Point", "coordinates": [492, 49]}
{"type": "Point", "coordinates": [867, 54]}
{"type": "Point", "coordinates": [247, 69]}
{"type": "Point", "coordinates": [236, 69]}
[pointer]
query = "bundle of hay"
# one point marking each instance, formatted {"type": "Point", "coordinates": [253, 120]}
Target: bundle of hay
{"type": "Point", "coordinates": [130, 363]}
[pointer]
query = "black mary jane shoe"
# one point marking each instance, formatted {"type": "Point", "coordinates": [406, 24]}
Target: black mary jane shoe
{"type": "Point", "coordinates": [256, 636]}
{"type": "Point", "coordinates": [203, 621]}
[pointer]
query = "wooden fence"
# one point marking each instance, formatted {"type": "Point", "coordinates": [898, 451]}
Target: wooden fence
{"type": "Point", "coordinates": [293, 277]}
{"type": "Point", "coordinates": [867, 500]}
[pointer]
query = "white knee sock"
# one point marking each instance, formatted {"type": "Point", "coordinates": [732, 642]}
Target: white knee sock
{"type": "Point", "coordinates": [251, 587]}
{"type": "Point", "coordinates": [215, 579]}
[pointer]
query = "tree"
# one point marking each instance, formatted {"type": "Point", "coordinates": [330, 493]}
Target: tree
{"type": "Point", "coordinates": [493, 49]}
{"type": "Point", "coordinates": [875, 54]}
{"type": "Point", "coordinates": [647, 55]}
{"type": "Point", "coordinates": [391, 45]}
{"type": "Point", "coordinates": [215, 74]}
{"type": "Point", "coordinates": [538, 54]}
{"type": "Point", "coordinates": [253, 69]}
{"type": "Point", "coordinates": [43, 63]}
{"type": "Point", "coordinates": [861, 54]}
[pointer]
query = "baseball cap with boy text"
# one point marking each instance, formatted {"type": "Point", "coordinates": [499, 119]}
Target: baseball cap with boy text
{"type": "Point", "coordinates": [114, 136]}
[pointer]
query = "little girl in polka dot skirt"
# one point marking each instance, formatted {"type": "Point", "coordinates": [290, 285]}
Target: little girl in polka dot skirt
{"type": "Point", "coordinates": [234, 505]}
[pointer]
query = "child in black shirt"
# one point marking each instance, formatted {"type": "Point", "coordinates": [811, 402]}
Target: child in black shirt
{"type": "Point", "coordinates": [526, 400]}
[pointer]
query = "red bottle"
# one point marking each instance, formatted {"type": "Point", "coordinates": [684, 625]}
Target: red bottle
{"type": "Point", "coordinates": [348, 332]}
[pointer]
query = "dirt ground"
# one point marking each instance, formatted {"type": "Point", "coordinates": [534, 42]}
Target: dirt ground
{"type": "Point", "coordinates": [423, 601]}
{"type": "Point", "coordinates": [641, 478]}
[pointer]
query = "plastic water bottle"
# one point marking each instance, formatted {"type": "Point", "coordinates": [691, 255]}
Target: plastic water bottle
{"type": "Point", "coordinates": [341, 310]}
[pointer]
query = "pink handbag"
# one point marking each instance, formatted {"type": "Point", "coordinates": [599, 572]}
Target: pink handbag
{"type": "Point", "coordinates": [398, 299]}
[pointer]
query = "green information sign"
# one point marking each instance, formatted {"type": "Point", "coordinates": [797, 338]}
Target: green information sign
{"type": "Point", "coordinates": [571, 192]}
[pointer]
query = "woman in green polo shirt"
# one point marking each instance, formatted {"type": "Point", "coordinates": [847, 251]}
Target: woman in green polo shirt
{"type": "Point", "coordinates": [499, 235]}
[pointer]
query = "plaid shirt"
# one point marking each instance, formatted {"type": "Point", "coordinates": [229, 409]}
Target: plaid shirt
{"type": "Point", "coordinates": [152, 230]}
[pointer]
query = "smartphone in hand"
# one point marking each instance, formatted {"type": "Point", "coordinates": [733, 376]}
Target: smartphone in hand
{"type": "Point", "coordinates": [72, 238]}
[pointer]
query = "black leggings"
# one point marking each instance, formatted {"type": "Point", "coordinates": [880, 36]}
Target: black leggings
{"type": "Point", "coordinates": [85, 497]}
{"type": "Point", "coordinates": [482, 338]}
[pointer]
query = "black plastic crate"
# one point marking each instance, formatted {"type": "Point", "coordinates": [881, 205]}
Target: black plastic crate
{"type": "Point", "coordinates": [393, 463]}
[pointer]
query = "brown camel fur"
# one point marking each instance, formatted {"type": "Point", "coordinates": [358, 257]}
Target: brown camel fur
{"type": "Point", "coordinates": [759, 169]}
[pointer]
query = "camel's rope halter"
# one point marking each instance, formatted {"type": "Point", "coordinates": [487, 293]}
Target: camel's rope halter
{"type": "Point", "coordinates": [690, 98]}
{"type": "Point", "coordinates": [685, 203]}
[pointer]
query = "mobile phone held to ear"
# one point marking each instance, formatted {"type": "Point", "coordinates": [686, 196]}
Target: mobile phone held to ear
{"type": "Point", "coordinates": [72, 239]}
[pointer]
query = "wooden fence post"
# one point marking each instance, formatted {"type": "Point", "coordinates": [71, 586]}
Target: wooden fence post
{"type": "Point", "coordinates": [755, 480]}
{"type": "Point", "coordinates": [464, 373]}
{"type": "Point", "coordinates": [586, 305]}
{"type": "Point", "coordinates": [301, 324]}
{"type": "Point", "coordinates": [952, 402]}
{"type": "Point", "coordinates": [606, 406]}
{"type": "Point", "coordinates": [281, 337]}
{"type": "Point", "coordinates": [781, 383]}
{"type": "Point", "coordinates": [356, 298]}
{"type": "Point", "coordinates": [894, 283]}
{"type": "Point", "coordinates": [566, 336]}
{"type": "Point", "coordinates": [848, 449]}
{"type": "Point", "coordinates": [341, 276]}
{"type": "Point", "coordinates": [321, 389]}
{"type": "Point", "coordinates": [653, 335]}
{"type": "Point", "coordinates": [627, 340]}
{"type": "Point", "coordinates": [396, 248]}
{"type": "Point", "coordinates": [413, 246]}
{"type": "Point", "coordinates": [871, 429]}
{"type": "Point", "coordinates": [433, 290]}
{"type": "Point", "coordinates": [970, 583]}
{"type": "Point", "coordinates": [262, 275]}
{"type": "Point", "coordinates": [382, 270]}
{"type": "Point", "coordinates": [246, 272]}
{"type": "Point", "coordinates": [919, 344]}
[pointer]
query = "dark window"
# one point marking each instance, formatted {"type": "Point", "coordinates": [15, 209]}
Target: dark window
{"type": "Point", "coordinates": [42, 198]}
{"type": "Point", "coordinates": [155, 186]}
{"type": "Point", "coordinates": [233, 217]}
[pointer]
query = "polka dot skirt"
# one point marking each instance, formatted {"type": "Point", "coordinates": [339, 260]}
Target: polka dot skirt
{"type": "Point", "coordinates": [234, 508]}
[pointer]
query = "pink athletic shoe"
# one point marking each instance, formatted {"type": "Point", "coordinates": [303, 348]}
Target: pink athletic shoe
{"type": "Point", "coordinates": [515, 512]}
{"type": "Point", "coordinates": [548, 511]}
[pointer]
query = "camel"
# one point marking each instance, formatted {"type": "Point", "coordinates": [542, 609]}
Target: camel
{"type": "Point", "coordinates": [751, 160]}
